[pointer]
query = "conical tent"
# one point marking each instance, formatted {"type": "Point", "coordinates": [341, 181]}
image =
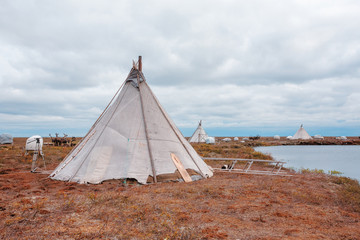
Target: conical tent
{"type": "Point", "coordinates": [301, 134]}
{"type": "Point", "coordinates": [6, 139]}
{"type": "Point", "coordinates": [133, 139]}
{"type": "Point", "coordinates": [199, 135]}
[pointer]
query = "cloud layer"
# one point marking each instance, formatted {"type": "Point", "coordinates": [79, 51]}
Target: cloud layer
{"type": "Point", "coordinates": [234, 64]}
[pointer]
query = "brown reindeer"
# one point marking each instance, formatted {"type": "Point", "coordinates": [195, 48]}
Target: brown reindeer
{"type": "Point", "coordinates": [64, 140]}
{"type": "Point", "coordinates": [56, 140]}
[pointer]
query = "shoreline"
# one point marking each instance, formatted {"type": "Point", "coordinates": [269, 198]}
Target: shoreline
{"type": "Point", "coordinates": [270, 141]}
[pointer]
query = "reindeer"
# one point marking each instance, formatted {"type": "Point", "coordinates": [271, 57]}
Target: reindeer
{"type": "Point", "coordinates": [56, 140]}
{"type": "Point", "coordinates": [73, 141]}
{"type": "Point", "coordinates": [255, 138]}
{"type": "Point", "coordinates": [64, 140]}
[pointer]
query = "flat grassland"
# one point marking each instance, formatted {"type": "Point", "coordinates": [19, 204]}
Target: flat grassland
{"type": "Point", "coordinates": [311, 205]}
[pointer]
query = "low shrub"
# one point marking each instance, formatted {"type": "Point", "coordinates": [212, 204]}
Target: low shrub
{"type": "Point", "coordinates": [348, 193]}
{"type": "Point", "coordinates": [315, 171]}
{"type": "Point", "coordinates": [334, 172]}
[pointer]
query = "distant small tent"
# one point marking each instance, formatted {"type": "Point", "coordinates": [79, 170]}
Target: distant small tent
{"type": "Point", "coordinates": [289, 137]}
{"type": "Point", "coordinates": [236, 139]}
{"type": "Point", "coordinates": [301, 134]}
{"type": "Point", "coordinates": [226, 140]}
{"type": "Point", "coordinates": [6, 139]}
{"type": "Point", "coordinates": [210, 140]}
{"type": "Point", "coordinates": [34, 143]}
{"type": "Point", "coordinates": [318, 137]}
{"type": "Point", "coordinates": [276, 137]}
{"type": "Point", "coordinates": [199, 135]}
{"type": "Point", "coordinates": [34, 146]}
{"type": "Point", "coordinates": [134, 138]}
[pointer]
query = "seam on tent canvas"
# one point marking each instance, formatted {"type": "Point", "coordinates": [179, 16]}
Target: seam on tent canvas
{"type": "Point", "coordinates": [177, 135]}
{"type": "Point", "coordinates": [105, 125]}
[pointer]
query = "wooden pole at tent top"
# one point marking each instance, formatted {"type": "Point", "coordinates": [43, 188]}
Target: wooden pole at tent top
{"type": "Point", "coordinates": [140, 64]}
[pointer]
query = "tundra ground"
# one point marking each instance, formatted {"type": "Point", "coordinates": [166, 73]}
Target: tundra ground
{"type": "Point", "coordinates": [227, 206]}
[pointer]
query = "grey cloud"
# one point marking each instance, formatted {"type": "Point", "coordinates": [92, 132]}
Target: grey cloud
{"type": "Point", "coordinates": [280, 104]}
{"type": "Point", "coordinates": [234, 63]}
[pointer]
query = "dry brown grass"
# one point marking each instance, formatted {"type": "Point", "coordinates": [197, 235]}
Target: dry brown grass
{"type": "Point", "coordinates": [229, 150]}
{"type": "Point", "coordinates": [226, 206]}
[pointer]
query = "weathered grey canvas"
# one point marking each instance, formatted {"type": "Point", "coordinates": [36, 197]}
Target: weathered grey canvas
{"type": "Point", "coordinates": [6, 138]}
{"type": "Point", "coordinates": [133, 138]}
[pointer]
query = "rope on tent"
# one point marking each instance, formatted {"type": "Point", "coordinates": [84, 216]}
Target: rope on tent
{"type": "Point", "coordinates": [73, 156]}
{"type": "Point", "coordinates": [102, 131]}
{"type": "Point", "coordinates": [102, 114]}
{"type": "Point", "coordinates": [96, 122]}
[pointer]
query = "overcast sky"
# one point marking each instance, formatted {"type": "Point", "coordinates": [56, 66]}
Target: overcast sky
{"type": "Point", "coordinates": [243, 67]}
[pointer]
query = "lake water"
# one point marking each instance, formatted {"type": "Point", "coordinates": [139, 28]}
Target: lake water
{"type": "Point", "coordinates": [345, 159]}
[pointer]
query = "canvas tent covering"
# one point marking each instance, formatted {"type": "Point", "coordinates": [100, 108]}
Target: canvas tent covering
{"type": "Point", "coordinates": [210, 140]}
{"type": "Point", "coordinates": [301, 134]}
{"type": "Point", "coordinates": [6, 139]}
{"type": "Point", "coordinates": [199, 135]}
{"type": "Point", "coordinates": [133, 139]}
{"type": "Point", "coordinates": [318, 136]}
{"type": "Point", "coordinates": [276, 137]}
{"type": "Point", "coordinates": [34, 143]}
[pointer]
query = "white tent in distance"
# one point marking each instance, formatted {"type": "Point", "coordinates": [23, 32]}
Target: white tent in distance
{"type": "Point", "coordinates": [134, 138]}
{"type": "Point", "coordinates": [34, 143]}
{"type": "Point", "coordinates": [199, 136]}
{"type": "Point", "coordinates": [301, 134]}
{"type": "Point", "coordinates": [6, 138]}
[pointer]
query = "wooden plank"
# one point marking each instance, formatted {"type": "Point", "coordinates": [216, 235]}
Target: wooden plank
{"type": "Point", "coordinates": [259, 173]}
{"type": "Point", "coordinates": [242, 160]}
{"type": "Point", "coordinates": [184, 174]}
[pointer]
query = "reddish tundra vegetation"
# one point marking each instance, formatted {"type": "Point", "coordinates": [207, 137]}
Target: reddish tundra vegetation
{"type": "Point", "coordinates": [311, 205]}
